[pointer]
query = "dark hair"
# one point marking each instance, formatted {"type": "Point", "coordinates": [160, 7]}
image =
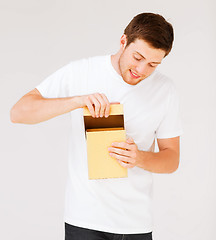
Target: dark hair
{"type": "Point", "coordinates": [152, 28]}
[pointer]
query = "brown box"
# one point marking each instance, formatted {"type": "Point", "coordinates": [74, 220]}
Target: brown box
{"type": "Point", "coordinates": [100, 133]}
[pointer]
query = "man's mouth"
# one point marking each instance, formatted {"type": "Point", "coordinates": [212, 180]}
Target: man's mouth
{"type": "Point", "coordinates": [133, 74]}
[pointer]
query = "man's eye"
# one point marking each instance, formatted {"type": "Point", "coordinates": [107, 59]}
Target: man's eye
{"type": "Point", "coordinates": [138, 59]}
{"type": "Point", "coordinates": [153, 66]}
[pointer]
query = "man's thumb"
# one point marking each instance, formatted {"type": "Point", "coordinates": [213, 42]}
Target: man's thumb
{"type": "Point", "coordinates": [130, 140]}
{"type": "Point", "coordinates": [115, 103]}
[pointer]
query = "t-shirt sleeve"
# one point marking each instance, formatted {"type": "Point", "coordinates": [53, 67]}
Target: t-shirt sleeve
{"type": "Point", "coordinates": [171, 125]}
{"type": "Point", "coordinates": [59, 84]}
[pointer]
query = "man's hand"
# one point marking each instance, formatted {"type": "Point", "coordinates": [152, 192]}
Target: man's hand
{"type": "Point", "coordinates": [126, 153]}
{"type": "Point", "coordinates": [97, 103]}
{"type": "Point", "coordinates": [164, 161]}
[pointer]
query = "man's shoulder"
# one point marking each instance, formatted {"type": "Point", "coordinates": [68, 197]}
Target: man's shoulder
{"type": "Point", "coordinates": [86, 61]}
{"type": "Point", "coordinates": [162, 79]}
{"type": "Point", "coordinates": [159, 76]}
{"type": "Point", "coordinates": [95, 58]}
{"type": "Point", "coordinates": [99, 60]}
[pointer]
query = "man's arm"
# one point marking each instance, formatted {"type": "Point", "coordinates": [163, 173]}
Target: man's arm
{"type": "Point", "coordinates": [32, 108]}
{"type": "Point", "coordinates": [164, 161]}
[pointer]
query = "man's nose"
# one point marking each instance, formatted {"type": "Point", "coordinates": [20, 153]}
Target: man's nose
{"type": "Point", "coordinates": [142, 69]}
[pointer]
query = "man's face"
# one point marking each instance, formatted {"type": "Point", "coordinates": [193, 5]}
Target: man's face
{"type": "Point", "coordinates": [138, 60]}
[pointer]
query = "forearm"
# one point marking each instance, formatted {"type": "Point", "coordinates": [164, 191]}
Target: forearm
{"type": "Point", "coordinates": [33, 109]}
{"type": "Point", "coordinates": [165, 161]}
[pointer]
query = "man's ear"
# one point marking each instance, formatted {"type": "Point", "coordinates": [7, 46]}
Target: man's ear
{"type": "Point", "coordinates": [123, 41]}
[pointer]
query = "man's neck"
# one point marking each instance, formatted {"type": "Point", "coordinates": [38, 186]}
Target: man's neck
{"type": "Point", "coordinates": [115, 62]}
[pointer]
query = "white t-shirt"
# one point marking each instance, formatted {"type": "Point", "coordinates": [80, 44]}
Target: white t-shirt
{"type": "Point", "coordinates": [151, 110]}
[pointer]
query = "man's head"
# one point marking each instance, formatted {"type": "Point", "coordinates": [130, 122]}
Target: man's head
{"type": "Point", "coordinates": [153, 29]}
{"type": "Point", "coordinates": [146, 41]}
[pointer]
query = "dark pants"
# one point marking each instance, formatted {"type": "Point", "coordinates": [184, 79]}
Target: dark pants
{"type": "Point", "coordinates": [78, 233]}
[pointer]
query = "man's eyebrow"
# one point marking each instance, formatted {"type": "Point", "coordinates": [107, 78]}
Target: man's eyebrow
{"type": "Point", "coordinates": [145, 58]}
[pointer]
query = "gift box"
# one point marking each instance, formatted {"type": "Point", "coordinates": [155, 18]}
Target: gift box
{"type": "Point", "coordinates": [100, 134]}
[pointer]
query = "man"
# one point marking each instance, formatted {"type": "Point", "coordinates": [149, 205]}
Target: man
{"type": "Point", "coordinates": [117, 208]}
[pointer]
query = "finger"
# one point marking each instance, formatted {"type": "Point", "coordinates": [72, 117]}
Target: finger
{"type": "Point", "coordinates": [115, 103]}
{"type": "Point", "coordinates": [107, 108]}
{"type": "Point", "coordinates": [120, 151]}
{"type": "Point", "coordinates": [102, 103]}
{"type": "Point", "coordinates": [96, 104]}
{"type": "Point", "coordinates": [130, 140]}
{"type": "Point", "coordinates": [89, 104]}
{"type": "Point", "coordinates": [123, 145]}
{"type": "Point", "coordinates": [122, 158]}
{"type": "Point", "coordinates": [125, 164]}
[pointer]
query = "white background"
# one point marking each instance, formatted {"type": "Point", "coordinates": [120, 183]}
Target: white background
{"type": "Point", "coordinates": [37, 37]}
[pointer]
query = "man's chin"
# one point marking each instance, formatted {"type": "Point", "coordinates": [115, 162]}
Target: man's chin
{"type": "Point", "coordinates": [134, 81]}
